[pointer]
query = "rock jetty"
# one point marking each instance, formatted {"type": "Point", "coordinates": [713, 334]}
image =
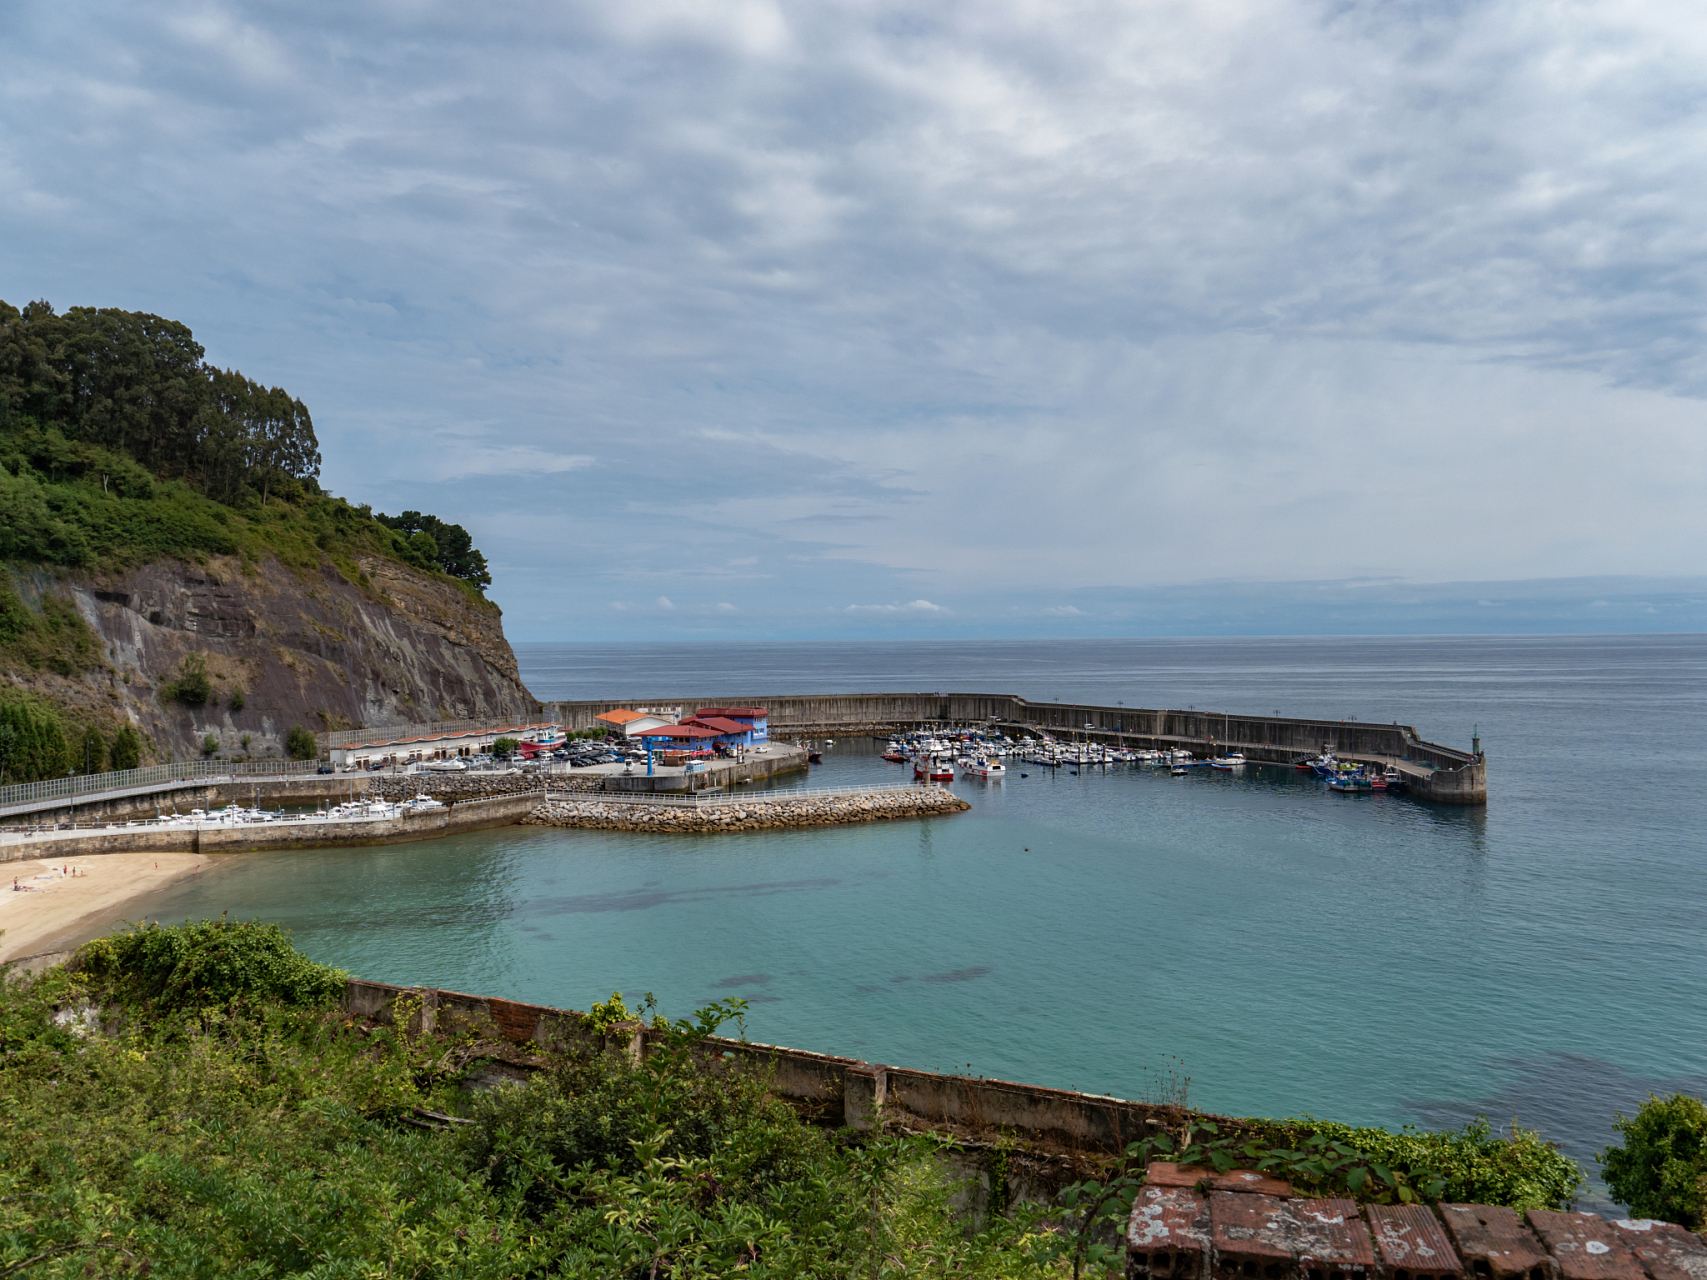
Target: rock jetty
{"type": "Point", "coordinates": [750, 815]}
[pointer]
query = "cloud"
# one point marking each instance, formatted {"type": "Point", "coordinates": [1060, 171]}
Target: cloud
{"type": "Point", "coordinates": [1064, 611]}
{"type": "Point", "coordinates": [990, 301]}
{"type": "Point", "coordinates": [664, 602]}
{"type": "Point", "coordinates": [723, 606]}
{"type": "Point", "coordinates": [916, 606]}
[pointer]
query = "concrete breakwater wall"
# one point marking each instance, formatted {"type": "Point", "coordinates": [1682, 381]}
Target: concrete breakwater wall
{"type": "Point", "coordinates": [749, 814]}
{"type": "Point", "coordinates": [471, 815]}
{"type": "Point", "coordinates": [1439, 773]}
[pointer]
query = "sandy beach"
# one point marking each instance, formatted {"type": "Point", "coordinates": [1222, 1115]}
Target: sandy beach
{"type": "Point", "coordinates": [59, 903]}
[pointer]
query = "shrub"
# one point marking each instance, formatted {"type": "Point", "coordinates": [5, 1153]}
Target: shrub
{"type": "Point", "coordinates": [127, 747]}
{"type": "Point", "coordinates": [1661, 1170]}
{"type": "Point", "coordinates": [504, 746]}
{"type": "Point", "coordinates": [238, 701]}
{"type": "Point", "coordinates": [191, 686]}
{"type": "Point", "coordinates": [1473, 1164]}
{"type": "Point", "coordinates": [210, 744]}
{"type": "Point", "coordinates": [209, 962]}
{"type": "Point", "coordinates": [301, 744]}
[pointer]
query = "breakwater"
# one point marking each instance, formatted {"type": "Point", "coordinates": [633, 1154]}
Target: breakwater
{"type": "Point", "coordinates": [215, 836]}
{"type": "Point", "coordinates": [1435, 772]}
{"type": "Point", "coordinates": [748, 813]}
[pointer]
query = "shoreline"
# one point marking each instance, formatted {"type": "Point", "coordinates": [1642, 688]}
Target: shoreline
{"type": "Point", "coordinates": [59, 912]}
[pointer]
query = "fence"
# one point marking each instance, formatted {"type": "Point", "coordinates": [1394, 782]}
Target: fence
{"type": "Point", "coordinates": [712, 800]}
{"type": "Point", "coordinates": [438, 729]}
{"type": "Point", "coordinates": [153, 775]}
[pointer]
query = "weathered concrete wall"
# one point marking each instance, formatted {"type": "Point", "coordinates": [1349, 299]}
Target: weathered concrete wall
{"type": "Point", "coordinates": [832, 1089]}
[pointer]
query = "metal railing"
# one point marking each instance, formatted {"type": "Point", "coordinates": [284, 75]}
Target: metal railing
{"type": "Point", "coordinates": [437, 729]}
{"type": "Point", "coordinates": [712, 800]}
{"type": "Point", "coordinates": [155, 775]}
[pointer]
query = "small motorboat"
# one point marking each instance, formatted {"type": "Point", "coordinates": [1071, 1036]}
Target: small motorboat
{"type": "Point", "coordinates": [1179, 771]}
{"type": "Point", "coordinates": [1351, 783]}
{"type": "Point", "coordinates": [814, 757]}
{"type": "Point", "coordinates": [1232, 761]}
{"type": "Point", "coordinates": [978, 767]}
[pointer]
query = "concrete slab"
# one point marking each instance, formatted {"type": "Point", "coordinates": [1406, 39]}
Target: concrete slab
{"type": "Point", "coordinates": [1585, 1245]}
{"type": "Point", "coordinates": [1665, 1250]}
{"type": "Point", "coordinates": [1493, 1242]}
{"type": "Point", "coordinates": [1412, 1244]}
{"type": "Point", "coordinates": [1167, 1237]}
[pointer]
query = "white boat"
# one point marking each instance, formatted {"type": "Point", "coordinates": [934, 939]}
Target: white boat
{"type": "Point", "coordinates": [456, 764]}
{"type": "Point", "coordinates": [422, 803]}
{"type": "Point", "coordinates": [1232, 761]}
{"type": "Point", "coordinates": [981, 768]}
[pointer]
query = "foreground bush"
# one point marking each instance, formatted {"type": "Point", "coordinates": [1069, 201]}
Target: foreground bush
{"type": "Point", "coordinates": [190, 1102]}
{"type": "Point", "coordinates": [232, 1123]}
{"type": "Point", "coordinates": [1661, 1170]}
{"type": "Point", "coordinates": [1472, 1165]}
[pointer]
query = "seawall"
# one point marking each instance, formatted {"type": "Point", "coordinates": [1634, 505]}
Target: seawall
{"type": "Point", "coordinates": [1439, 773]}
{"type": "Point", "coordinates": [469, 815]}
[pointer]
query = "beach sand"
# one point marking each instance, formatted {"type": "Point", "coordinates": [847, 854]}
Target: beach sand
{"type": "Point", "coordinates": [59, 911]}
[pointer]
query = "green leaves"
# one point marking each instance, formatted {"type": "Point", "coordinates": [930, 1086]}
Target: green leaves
{"type": "Point", "coordinates": [1661, 1169]}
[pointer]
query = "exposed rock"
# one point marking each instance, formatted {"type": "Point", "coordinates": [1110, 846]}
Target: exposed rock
{"type": "Point", "coordinates": [307, 648]}
{"type": "Point", "coordinates": [750, 814]}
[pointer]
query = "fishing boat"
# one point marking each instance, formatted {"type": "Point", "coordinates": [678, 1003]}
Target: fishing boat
{"type": "Point", "coordinates": [978, 767]}
{"type": "Point", "coordinates": [1351, 783]}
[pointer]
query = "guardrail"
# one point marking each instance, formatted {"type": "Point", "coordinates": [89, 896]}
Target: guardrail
{"type": "Point", "coordinates": [712, 800]}
{"type": "Point", "coordinates": [150, 776]}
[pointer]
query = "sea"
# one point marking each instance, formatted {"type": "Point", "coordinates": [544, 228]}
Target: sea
{"type": "Point", "coordinates": [1254, 944]}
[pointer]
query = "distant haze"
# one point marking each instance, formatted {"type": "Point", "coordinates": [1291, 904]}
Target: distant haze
{"type": "Point", "coordinates": [835, 319]}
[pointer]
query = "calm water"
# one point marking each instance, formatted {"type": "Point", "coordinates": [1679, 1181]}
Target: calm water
{"type": "Point", "coordinates": [1290, 951]}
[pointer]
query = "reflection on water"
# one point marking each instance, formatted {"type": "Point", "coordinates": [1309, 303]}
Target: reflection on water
{"type": "Point", "coordinates": [1290, 950]}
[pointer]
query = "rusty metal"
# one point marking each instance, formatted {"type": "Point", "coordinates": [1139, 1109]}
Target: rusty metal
{"type": "Point", "coordinates": [1167, 1237]}
{"type": "Point", "coordinates": [1665, 1250]}
{"type": "Point", "coordinates": [1585, 1246]}
{"type": "Point", "coordinates": [1493, 1242]}
{"type": "Point", "coordinates": [1262, 1237]}
{"type": "Point", "coordinates": [1412, 1244]}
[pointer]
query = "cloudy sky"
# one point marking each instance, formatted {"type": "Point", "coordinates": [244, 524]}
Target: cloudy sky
{"type": "Point", "coordinates": [814, 319]}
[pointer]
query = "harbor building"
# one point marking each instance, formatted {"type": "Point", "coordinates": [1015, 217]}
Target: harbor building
{"type": "Point", "coordinates": [756, 720]}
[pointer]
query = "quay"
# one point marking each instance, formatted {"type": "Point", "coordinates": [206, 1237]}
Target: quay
{"type": "Point", "coordinates": [1444, 775]}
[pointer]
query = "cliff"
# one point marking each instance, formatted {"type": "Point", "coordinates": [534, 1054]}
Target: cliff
{"type": "Point", "coordinates": [307, 647]}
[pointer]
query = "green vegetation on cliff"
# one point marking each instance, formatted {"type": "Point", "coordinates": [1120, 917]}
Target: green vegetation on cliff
{"type": "Point", "coordinates": [190, 1101]}
{"type": "Point", "coordinates": [120, 446]}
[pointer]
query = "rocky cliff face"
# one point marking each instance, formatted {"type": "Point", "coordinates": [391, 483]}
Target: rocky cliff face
{"type": "Point", "coordinates": [305, 648]}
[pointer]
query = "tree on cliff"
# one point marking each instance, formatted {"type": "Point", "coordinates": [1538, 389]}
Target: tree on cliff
{"type": "Point", "coordinates": [38, 746]}
{"type": "Point", "coordinates": [446, 547]}
{"type": "Point", "coordinates": [136, 383]}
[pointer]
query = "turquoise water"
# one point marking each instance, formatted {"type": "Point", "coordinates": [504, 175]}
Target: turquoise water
{"type": "Point", "coordinates": [1288, 950]}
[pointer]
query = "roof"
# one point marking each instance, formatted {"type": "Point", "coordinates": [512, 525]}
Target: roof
{"type": "Point", "coordinates": [738, 713]}
{"type": "Point", "coordinates": [720, 724]}
{"type": "Point", "coordinates": [620, 716]}
{"type": "Point", "coordinates": [678, 731]}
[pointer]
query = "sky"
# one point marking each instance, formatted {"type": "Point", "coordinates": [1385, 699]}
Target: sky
{"type": "Point", "coordinates": [868, 319]}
